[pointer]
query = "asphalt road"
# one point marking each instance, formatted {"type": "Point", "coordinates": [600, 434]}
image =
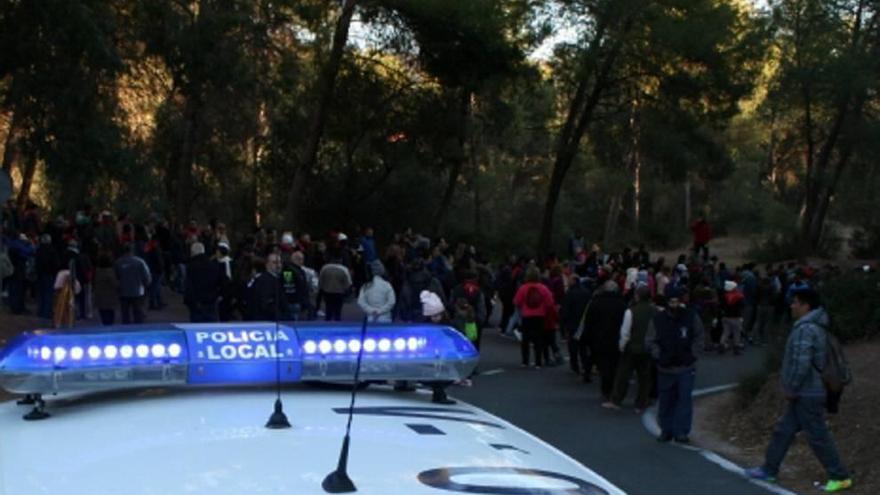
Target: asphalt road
{"type": "Point", "coordinates": [554, 405]}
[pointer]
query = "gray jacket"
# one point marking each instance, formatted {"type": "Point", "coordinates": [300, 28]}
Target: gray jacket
{"type": "Point", "coordinates": [133, 276]}
{"type": "Point", "coordinates": [805, 356]}
{"type": "Point", "coordinates": [334, 279]}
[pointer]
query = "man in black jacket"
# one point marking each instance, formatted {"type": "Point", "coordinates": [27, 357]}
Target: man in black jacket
{"type": "Point", "coordinates": [675, 336]}
{"type": "Point", "coordinates": [573, 306]}
{"type": "Point", "coordinates": [265, 290]}
{"type": "Point", "coordinates": [602, 329]}
{"type": "Point", "coordinates": [204, 279]}
{"type": "Point", "coordinates": [295, 287]}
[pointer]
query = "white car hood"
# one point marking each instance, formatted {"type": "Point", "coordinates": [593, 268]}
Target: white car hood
{"type": "Point", "coordinates": [214, 442]}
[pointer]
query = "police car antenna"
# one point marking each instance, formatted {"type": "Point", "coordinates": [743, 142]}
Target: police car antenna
{"type": "Point", "coordinates": [338, 481]}
{"type": "Point", "coordinates": [277, 420]}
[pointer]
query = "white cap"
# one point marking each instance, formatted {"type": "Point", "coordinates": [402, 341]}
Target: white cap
{"type": "Point", "coordinates": [729, 285]}
{"type": "Point", "coordinates": [342, 237]}
{"type": "Point", "coordinates": [196, 249]}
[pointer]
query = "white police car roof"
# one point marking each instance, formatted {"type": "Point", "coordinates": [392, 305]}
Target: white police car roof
{"type": "Point", "coordinates": [212, 441]}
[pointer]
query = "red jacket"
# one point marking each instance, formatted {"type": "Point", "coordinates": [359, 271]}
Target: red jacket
{"type": "Point", "coordinates": [702, 232]}
{"type": "Point", "coordinates": [546, 309]}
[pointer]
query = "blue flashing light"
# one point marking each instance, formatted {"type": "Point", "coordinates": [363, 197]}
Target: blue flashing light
{"type": "Point", "coordinates": [230, 353]}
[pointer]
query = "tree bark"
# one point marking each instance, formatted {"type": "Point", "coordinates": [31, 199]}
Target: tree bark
{"type": "Point", "coordinates": [27, 180]}
{"type": "Point", "coordinates": [12, 151]}
{"type": "Point", "coordinates": [457, 163]}
{"type": "Point", "coordinates": [580, 114]}
{"type": "Point", "coordinates": [612, 219]}
{"type": "Point", "coordinates": [325, 88]}
{"type": "Point", "coordinates": [184, 182]}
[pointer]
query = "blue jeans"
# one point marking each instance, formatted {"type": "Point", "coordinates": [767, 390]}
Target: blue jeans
{"type": "Point", "coordinates": [807, 414]}
{"type": "Point", "coordinates": [676, 409]}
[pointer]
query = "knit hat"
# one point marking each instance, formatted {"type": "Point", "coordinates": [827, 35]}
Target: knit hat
{"type": "Point", "coordinates": [729, 285]}
{"type": "Point", "coordinates": [431, 303]}
{"type": "Point", "coordinates": [377, 268]}
{"type": "Point", "coordinates": [610, 286]}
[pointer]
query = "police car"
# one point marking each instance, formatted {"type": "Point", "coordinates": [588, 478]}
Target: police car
{"type": "Point", "coordinates": [182, 408]}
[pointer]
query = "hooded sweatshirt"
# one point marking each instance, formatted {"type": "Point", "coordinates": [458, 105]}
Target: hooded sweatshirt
{"type": "Point", "coordinates": [805, 353]}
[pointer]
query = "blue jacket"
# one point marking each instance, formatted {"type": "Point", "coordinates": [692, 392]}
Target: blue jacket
{"type": "Point", "coordinates": [805, 356]}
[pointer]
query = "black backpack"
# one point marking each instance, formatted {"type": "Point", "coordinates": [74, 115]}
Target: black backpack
{"type": "Point", "coordinates": [836, 374]}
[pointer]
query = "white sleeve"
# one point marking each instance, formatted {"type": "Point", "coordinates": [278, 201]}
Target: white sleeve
{"type": "Point", "coordinates": [625, 329]}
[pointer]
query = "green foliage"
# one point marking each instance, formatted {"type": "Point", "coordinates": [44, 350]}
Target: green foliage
{"type": "Point", "coordinates": [853, 302]}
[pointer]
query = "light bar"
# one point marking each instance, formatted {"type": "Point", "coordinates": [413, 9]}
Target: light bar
{"type": "Point", "coordinates": [230, 354]}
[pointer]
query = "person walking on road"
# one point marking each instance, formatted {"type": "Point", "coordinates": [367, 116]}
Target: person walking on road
{"type": "Point", "coordinates": [573, 306]}
{"type": "Point", "coordinates": [134, 278]}
{"type": "Point", "coordinates": [635, 355]}
{"type": "Point", "coordinates": [602, 323]}
{"type": "Point", "coordinates": [204, 281]}
{"type": "Point", "coordinates": [334, 281]}
{"type": "Point", "coordinates": [675, 336]}
{"type": "Point", "coordinates": [732, 307]}
{"type": "Point", "coordinates": [802, 365]}
{"type": "Point", "coordinates": [535, 303]}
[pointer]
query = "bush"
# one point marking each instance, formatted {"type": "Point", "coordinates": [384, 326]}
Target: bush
{"type": "Point", "coordinates": [865, 243]}
{"type": "Point", "coordinates": [751, 384]}
{"type": "Point", "coordinates": [853, 302]}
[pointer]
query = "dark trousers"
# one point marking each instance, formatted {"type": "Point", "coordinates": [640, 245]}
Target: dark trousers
{"type": "Point", "coordinates": [82, 302]}
{"type": "Point", "coordinates": [676, 409]}
{"type": "Point", "coordinates": [573, 354]}
{"type": "Point", "coordinates": [132, 309]}
{"type": "Point", "coordinates": [155, 292]}
{"type": "Point", "coordinates": [587, 358]}
{"type": "Point", "coordinates": [333, 306]}
{"type": "Point", "coordinates": [203, 312]}
{"type": "Point", "coordinates": [606, 363]}
{"type": "Point", "coordinates": [762, 322]}
{"type": "Point", "coordinates": [46, 294]}
{"type": "Point", "coordinates": [506, 312]}
{"type": "Point", "coordinates": [532, 335]}
{"type": "Point", "coordinates": [804, 414]}
{"type": "Point", "coordinates": [15, 286]}
{"type": "Point", "coordinates": [641, 364]}
{"type": "Point", "coordinates": [551, 347]}
{"type": "Point", "coordinates": [108, 316]}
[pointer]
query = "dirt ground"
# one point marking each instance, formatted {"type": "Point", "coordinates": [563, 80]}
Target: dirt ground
{"type": "Point", "coordinates": [742, 434]}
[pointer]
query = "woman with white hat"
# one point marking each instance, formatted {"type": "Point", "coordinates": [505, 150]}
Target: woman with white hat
{"type": "Point", "coordinates": [732, 305]}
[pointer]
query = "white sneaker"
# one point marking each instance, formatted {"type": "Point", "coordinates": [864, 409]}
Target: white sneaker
{"type": "Point", "coordinates": [518, 335]}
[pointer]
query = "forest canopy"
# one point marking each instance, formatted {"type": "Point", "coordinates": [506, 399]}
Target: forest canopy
{"type": "Point", "coordinates": [509, 122]}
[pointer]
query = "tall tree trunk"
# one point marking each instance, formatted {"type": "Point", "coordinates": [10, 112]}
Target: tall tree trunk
{"type": "Point", "coordinates": [580, 114]}
{"type": "Point", "coordinates": [184, 182]}
{"type": "Point", "coordinates": [688, 213]}
{"type": "Point", "coordinates": [27, 180]}
{"type": "Point", "coordinates": [325, 88]}
{"type": "Point", "coordinates": [817, 223]}
{"type": "Point", "coordinates": [612, 219]}
{"type": "Point", "coordinates": [456, 163]}
{"type": "Point", "coordinates": [12, 150]}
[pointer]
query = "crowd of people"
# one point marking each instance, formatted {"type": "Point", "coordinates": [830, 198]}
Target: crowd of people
{"type": "Point", "coordinates": [622, 313]}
